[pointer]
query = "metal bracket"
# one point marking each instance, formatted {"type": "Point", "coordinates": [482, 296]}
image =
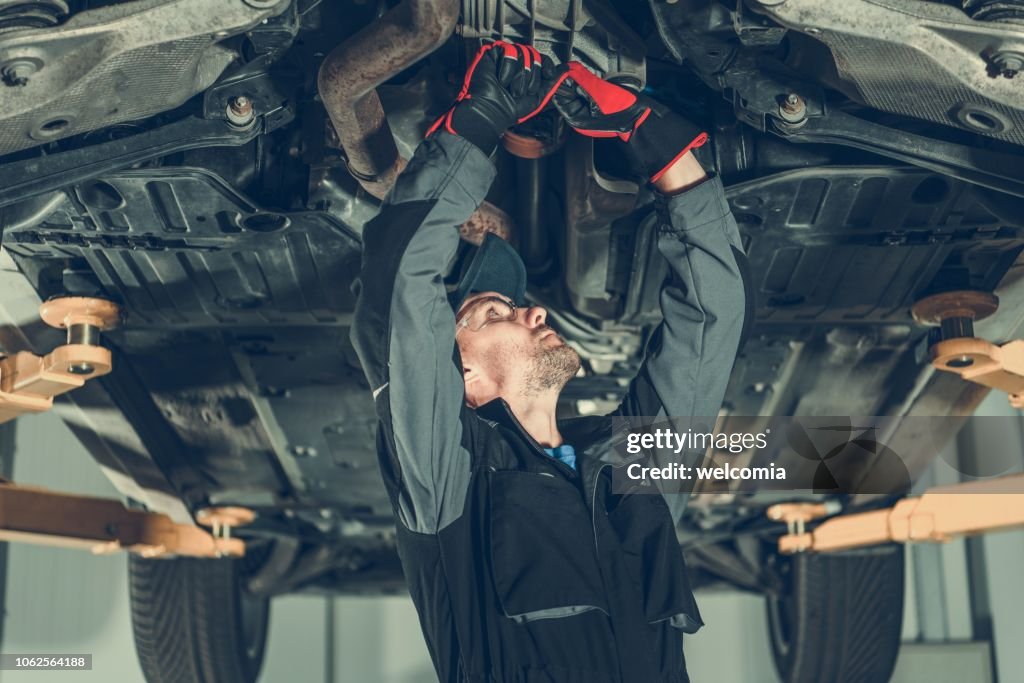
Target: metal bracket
{"type": "Point", "coordinates": [221, 520]}
{"type": "Point", "coordinates": [21, 180]}
{"type": "Point", "coordinates": [29, 382]}
{"type": "Point", "coordinates": [796, 516]}
{"type": "Point", "coordinates": [757, 85]}
{"type": "Point", "coordinates": [955, 348]}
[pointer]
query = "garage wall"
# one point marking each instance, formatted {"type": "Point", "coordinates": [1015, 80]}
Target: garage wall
{"type": "Point", "coordinates": [378, 640]}
{"type": "Point", "coordinates": [995, 562]}
{"type": "Point", "coordinates": [60, 600]}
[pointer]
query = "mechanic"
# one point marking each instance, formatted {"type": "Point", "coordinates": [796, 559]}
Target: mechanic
{"type": "Point", "coordinates": [522, 563]}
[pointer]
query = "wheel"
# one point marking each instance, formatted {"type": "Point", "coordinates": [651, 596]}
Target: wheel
{"type": "Point", "coordinates": [838, 617]}
{"type": "Point", "coordinates": [194, 622]}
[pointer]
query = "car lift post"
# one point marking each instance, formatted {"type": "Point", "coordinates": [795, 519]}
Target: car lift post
{"type": "Point", "coordinates": [936, 516]}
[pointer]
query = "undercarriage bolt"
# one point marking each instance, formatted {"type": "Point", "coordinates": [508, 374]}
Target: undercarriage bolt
{"type": "Point", "coordinates": [793, 109]}
{"type": "Point", "coordinates": [240, 111]}
{"type": "Point", "coordinates": [16, 72]}
{"type": "Point", "coordinates": [1008, 64]}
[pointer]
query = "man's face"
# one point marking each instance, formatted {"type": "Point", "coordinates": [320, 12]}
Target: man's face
{"type": "Point", "coordinates": [506, 353]}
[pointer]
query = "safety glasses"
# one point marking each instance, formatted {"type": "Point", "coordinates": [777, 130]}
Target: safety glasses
{"type": "Point", "coordinates": [484, 311]}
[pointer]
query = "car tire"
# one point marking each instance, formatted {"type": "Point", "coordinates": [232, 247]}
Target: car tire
{"type": "Point", "coordinates": [838, 616]}
{"type": "Point", "coordinates": [194, 622]}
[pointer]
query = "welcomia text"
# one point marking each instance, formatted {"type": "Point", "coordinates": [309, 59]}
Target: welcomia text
{"type": "Point", "coordinates": [686, 473]}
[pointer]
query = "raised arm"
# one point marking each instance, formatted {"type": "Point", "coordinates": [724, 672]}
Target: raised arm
{"type": "Point", "coordinates": [404, 329]}
{"type": "Point", "coordinates": [704, 301]}
{"type": "Point", "coordinates": [690, 355]}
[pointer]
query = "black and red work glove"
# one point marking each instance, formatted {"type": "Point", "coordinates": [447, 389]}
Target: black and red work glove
{"type": "Point", "coordinates": [654, 135]}
{"type": "Point", "coordinates": [506, 84]}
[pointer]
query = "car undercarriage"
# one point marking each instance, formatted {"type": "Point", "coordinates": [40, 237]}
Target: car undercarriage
{"type": "Point", "coordinates": [210, 167]}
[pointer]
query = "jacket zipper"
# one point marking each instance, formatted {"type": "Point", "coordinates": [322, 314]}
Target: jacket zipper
{"type": "Point", "coordinates": [537, 448]}
{"type": "Point", "coordinates": [593, 505]}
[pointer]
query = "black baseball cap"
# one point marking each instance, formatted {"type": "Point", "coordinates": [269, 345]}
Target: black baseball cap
{"type": "Point", "coordinates": [494, 266]}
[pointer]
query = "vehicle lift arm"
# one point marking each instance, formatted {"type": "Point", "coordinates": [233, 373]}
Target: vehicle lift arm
{"type": "Point", "coordinates": [937, 516]}
{"type": "Point", "coordinates": [947, 511]}
{"type": "Point", "coordinates": [28, 384]}
{"type": "Point", "coordinates": [37, 515]}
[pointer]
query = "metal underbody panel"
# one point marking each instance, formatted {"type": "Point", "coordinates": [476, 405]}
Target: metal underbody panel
{"type": "Point", "coordinates": [182, 248]}
{"type": "Point", "coordinates": [233, 396]}
{"type": "Point", "coordinates": [927, 60]}
{"type": "Point", "coordinates": [118, 63]}
{"type": "Point", "coordinates": [857, 245]}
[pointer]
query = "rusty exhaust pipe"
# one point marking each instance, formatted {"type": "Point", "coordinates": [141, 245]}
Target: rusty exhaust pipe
{"type": "Point", "coordinates": [350, 74]}
{"type": "Point", "coordinates": [347, 83]}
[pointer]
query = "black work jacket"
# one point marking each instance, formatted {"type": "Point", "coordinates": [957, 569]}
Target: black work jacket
{"type": "Point", "coordinates": [521, 568]}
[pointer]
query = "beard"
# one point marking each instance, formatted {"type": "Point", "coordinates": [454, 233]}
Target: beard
{"type": "Point", "coordinates": [550, 367]}
{"type": "Point", "coordinates": [540, 366]}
